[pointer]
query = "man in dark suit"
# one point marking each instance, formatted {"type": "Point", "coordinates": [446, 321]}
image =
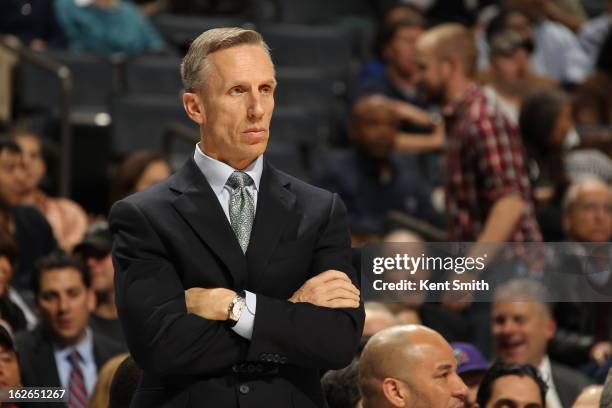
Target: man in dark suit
{"type": "Point", "coordinates": [233, 281]}
{"type": "Point", "coordinates": [63, 351]}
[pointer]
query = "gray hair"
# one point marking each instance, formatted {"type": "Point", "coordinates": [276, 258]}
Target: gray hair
{"type": "Point", "coordinates": [195, 64]}
{"type": "Point", "coordinates": [574, 190]}
{"type": "Point", "coordinates": [524, 290]}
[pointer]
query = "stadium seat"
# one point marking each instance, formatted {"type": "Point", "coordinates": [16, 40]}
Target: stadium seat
{"type": "Point", "coordinates": [139, 121]}
{"type": "Point", "coordinates": [153, 75]}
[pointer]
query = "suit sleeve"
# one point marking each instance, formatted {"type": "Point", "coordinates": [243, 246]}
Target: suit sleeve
{"type": "Point", "coordinates": [303, 334]}
{"type": "Point", "coordinates": [161, 335]}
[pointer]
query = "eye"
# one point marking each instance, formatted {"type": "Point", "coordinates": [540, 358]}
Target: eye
{"type": "Point", "coordinates": [237, 90]}
{"type": "Point", "coordinates": [267, 89]}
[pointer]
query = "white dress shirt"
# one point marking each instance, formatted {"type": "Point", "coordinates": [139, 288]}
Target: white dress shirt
{"type": "Point", "coordinates": [87, 363]}
{"type": "Point", "coordinates": [552, 398]}
{"type": "Point", "coordinates": [217, 173]}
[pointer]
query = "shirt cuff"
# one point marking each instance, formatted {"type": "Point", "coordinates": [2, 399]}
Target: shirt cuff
{"type": "Point", "coordinates": [244, 325]}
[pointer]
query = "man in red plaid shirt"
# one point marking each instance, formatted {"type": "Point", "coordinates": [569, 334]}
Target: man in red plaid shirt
{"type": "Point", "coordinates": [488, 196]}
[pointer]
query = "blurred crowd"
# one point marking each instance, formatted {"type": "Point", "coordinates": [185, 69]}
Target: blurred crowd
{"type": "Point", "coordinates": [474, 121]}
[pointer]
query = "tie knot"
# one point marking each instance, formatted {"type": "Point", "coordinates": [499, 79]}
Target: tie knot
{"type": "Point", "coordinates": [239, 179]}
{"type": "Point", "coordinates": [74, 358]}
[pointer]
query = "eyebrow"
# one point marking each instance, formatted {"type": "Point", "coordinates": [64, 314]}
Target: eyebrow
{"type": "Point", "coordinates": [444, 367]}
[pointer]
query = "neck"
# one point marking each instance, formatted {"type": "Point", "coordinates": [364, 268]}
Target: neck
{"type": "Point", "coordinates": [456, 87]}
{"type": "Point", "coordinates": [106, 308]}
{"type": "Point", "coordinates": [238, 164]}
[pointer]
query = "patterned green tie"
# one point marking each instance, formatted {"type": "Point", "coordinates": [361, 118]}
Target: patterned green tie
{"type": "Point", "coordinates": [241, 207]}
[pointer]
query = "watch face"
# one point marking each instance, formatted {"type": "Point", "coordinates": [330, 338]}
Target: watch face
{"type": "Point", "coordinates": [236, 308]}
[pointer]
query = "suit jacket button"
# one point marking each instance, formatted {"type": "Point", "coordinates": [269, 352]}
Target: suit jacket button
{"type": "Point", "coordinates": [276, 358]}
{"type": "Point", "coordinates": [244, 389]}
{"type": "Point", "coordinates": [283, 360]}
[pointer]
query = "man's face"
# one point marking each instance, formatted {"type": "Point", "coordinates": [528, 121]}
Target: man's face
{"type": "Point", "coordinates": [12, 177]}
{"type": "Point", "coordinates": [400, 53]}
{"type": "Point", "coordinates": [589, 219]}
{"type": "Point", "coordinates": [430, 69]}
{"type": "Point", "coordinates": [35, 167]}
{"type": "Point", "coordinates": [521, 331]}
{"type": "Point", "coordinates": [433, 379]}
{"type": "Point", "coordinates": [513, 391]}
{"type": "Point", "coordinates": [376, 132]}
{"type": "Point", "coordinates": [506, 67]}
{"type": "Point", "coordinates": [65, 304]}
{"type": "Point", "coordinates": [102, 273]}
{"type": "Point", "coordinates": [237, 101]}
{"type": "Point", "coordinates": [9, 368]}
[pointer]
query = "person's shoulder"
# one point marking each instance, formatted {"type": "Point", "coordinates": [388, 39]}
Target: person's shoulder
{"type": "Point", "coordinates": [28, 214]}
{"type": "Point", "coordinates": [106, 346]}
{"type": "Point", "coordinates": [27, 341]}
{"type": "Point", "coordinates": [568, 376]}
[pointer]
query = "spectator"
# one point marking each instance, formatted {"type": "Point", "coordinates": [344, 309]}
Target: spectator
{"type": "Point", "coordinates": [410, 366]}
{"type": "Point", "coordinates": [369, 178]}
{"type": "Point", "coordinates": [10, 376]}
{"type": "Point", "coordinates": [13, 308]}
{"type": "Point", "coordinates": [101, 394]}
{"type": "Point", "coordinates": [593, 99]}
{"type": "Point", "coordinates": [471, 367]}
{"type": "Point", "coordinates": [487, 192]}
{"type": "Point", "coordinates": [95, 250]}
{"type": "Point", "coordinates": [341, 387]}
{"type": "Point", "coordinates": [594, 32]}
{"type": "Point", "coordinates": [24, 223]}
{"type": "Point", "coordinates": [33, 22]}
{"type": "Point", "coordinates": [64, 352]}
{"type": "Point", "coordinates": [67, 219]}
{"type": "Point", "coordinates": [522, 330]}
{"type": "Point", "coordinates": [557, 52]}
{"type": "Point", "coordinates": [512, 385]}
{"type": "Point", "coordinates": [140, 170]}
{"type": "Point", "coordinates": [126, 379]}
{"type": "Point", "coordinates": [584, 328]}
{"type": "Point", "coordinates": [589, 397]}
{"type": "Point", "coordinates": [510, 75]}
{"type": "Point", "coordinates": [546, 125]}
{"type": "Point", "coordinates": [106, 26]}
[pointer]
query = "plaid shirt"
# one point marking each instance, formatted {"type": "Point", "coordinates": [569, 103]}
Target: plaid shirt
{"type": "Point", "coordinates": [484, 161]}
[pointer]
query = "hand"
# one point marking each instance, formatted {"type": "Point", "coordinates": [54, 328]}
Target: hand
{"type": "Point", "coordinates": [601, 351]}
{"type": "Point", "coordinates": [329, 289]}
{"type": "Point", "coordinates": [439, 135]}
{"type": "Point", "coordinates": [210, 304]}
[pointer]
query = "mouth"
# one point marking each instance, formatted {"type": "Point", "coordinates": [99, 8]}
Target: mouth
{"type": "Point", "coordinates": [254, 131]}
{"type": "Point", "coordinates": [513, 348]}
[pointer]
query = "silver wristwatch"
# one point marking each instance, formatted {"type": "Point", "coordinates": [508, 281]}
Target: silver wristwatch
{"type": "Point", "coordinates": [236, 307]}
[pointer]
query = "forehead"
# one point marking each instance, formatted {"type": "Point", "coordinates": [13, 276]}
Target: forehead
{"type": "Point", "coordinates": [241, 63]}
{"type": "Point", "coordinates": [521, 389]}
{"type": "Point", "coordinates": [60, 278]}
{"type": "Point", "coordinates": [595, 192]}
{"type": "Point", "coordinates": [515, 308]}
{"type": "Point", "coordinates": [433, 355]}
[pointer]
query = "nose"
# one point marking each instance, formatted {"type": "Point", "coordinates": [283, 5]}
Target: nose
{"type": "Point", "coordinates": [255, 110]}
{"type": "Point", "coordinates": [460, 389]}
{"type": "Point", "coordinates": [63, 303]}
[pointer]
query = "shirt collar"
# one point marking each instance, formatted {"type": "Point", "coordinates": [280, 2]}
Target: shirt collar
{"type": "Point", "coordinates": [217, 172]}
{"type": "Point", "coordinates": [545, 371]}
{"type": "Point", "coordinates": [84, 347]}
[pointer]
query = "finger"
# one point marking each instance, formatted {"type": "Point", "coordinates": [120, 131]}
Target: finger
{"type": "Point", "coordinates": [337, 284]}
{"type": "Point", "coordinates": [341, 293]}
{"type": "Point", "coordinates": [342, 303]}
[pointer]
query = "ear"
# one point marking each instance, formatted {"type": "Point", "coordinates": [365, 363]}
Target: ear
{"type": "Point", "coordinates": [194, 107]}
{"type": "Point", "coordinates": [567, 224]}
{"type": "Point", "coordinates": [395, 393]}
{"type": "Point", "coordinates": [550, 328]}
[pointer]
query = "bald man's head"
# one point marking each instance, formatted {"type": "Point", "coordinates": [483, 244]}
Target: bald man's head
{"type": "Point", "coordinates": [399, 367]}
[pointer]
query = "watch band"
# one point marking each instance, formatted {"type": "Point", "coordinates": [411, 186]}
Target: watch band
{"type": "Point", "coordinates": [236, 306]}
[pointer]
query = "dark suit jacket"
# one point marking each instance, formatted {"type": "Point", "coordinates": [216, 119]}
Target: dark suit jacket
{"type": "Point", "coordinates": [568, 383]}
{"type": "Point", "coordinates": [175, 236]}
{"type": "Point", "coordinates": [37, 362]}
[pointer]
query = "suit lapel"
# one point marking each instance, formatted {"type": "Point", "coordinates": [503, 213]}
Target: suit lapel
{"type": "Point", "coordinates": [199, 206]}
{"type": "Point", "coordinates": [275, 207]}
{"type": "Point", "coordinates": [45, 363]}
